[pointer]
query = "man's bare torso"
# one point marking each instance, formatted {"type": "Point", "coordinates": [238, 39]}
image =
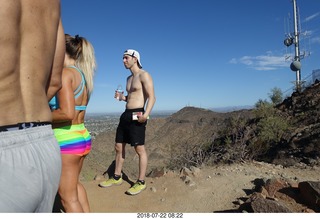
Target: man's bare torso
{"type": "Point", "coordinates": [28, 34]}
{"type": "Point", "coordinates": [136, 97]}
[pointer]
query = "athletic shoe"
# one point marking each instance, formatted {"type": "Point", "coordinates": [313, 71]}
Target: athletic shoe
{"type": "Point", "coordinates": [111, 182]}
{"type": "Point", "coordinates": [137, 188]}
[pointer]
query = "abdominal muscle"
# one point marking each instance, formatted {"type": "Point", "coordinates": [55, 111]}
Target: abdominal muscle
{"type": "Point", "coordinates": [135, 100]}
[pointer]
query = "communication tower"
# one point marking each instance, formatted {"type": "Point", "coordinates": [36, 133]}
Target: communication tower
{"type": "Point", "coordinates": [293, 38]}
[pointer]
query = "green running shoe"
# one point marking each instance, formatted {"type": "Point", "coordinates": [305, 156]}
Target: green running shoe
{"type": "Point", "coordinates": [137, 188]}
{"type": "Point", "coordinates": [111, 182]}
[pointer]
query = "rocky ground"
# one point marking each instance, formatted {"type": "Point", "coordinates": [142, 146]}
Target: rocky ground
{"type": "Point", "coordinates": [207, 190]}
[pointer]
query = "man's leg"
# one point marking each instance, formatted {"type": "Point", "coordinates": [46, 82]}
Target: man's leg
{"type": "Point", "coordinates": [120, 156]}
{"type": "Point", "coordinates": [116, 179]}
{"type": "Point", "coordinates": [143, 161]}
{"type": "Point", "coordinates": [140, 185]}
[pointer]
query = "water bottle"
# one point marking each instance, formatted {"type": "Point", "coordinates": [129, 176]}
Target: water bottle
{"type": "Point", "coordinates": [119, 92]}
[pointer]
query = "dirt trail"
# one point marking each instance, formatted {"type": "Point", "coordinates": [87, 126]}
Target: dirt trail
{"type": "Point", "coordinates": [215, 190]}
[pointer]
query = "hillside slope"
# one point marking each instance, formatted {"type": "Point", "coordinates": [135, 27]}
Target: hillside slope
{"type": "Point", "coordinates": [173, 137]}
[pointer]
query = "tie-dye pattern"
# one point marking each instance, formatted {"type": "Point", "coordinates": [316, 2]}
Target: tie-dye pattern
{"type": "Point", "coordinates": [74, 139]}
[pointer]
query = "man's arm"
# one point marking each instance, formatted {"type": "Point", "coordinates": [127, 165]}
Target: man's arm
{"type": "Point", "coordinates": [148, 87]}
{"type": "Point", "coordinates": [54, 83]}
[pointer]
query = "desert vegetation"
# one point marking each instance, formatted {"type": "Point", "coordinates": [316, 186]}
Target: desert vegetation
{"type": "Point", "coordinates": [264, 133]}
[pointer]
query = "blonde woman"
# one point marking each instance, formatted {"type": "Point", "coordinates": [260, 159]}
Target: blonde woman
{"type": "Point", "coordinates": [69, 108]}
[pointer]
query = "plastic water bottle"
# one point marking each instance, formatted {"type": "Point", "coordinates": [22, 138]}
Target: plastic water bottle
{"type": "Point", "coordinates": [119, 92]}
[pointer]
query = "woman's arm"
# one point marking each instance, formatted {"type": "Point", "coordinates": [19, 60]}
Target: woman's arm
{"type": "Point", "coordinates": [66, 110]}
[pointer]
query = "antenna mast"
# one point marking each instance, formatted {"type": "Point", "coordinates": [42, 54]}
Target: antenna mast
{"type": "Point", "coordinates": [296, 64]}
{"type": "Point", "coordinates": [297, 49]}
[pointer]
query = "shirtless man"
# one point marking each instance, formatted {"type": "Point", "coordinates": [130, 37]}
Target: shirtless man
{"type": "Point", "coordinates": [140, 94]}
{"type": "Point", "coordinates": [32, 49]}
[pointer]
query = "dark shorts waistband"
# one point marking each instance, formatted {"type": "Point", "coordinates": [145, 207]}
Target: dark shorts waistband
{"type": "Point", "coordinates": [23, 125]}
{"type": "Point", "coordinates": [135, 110]}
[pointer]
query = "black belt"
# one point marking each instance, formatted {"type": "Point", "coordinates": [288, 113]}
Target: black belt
{"type": "Point", "coordinates": [23, 125]}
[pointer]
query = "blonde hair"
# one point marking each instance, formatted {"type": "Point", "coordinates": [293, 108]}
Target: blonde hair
{"type": "Point", "coordinates": [81, 50]}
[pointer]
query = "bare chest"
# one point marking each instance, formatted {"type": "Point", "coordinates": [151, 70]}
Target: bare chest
{"type": "Point", "coordinates": [134, 84]}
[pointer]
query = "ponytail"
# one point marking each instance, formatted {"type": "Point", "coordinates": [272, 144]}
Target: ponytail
{"type": "Point", "coordinates": [82, 51]}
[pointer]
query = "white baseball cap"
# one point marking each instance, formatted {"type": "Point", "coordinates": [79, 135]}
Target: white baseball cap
{"type": "Point", "coordinates": [133, 53]}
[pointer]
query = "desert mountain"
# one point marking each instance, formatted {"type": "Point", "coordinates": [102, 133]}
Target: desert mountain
{"type": "Point", "coordinates": [195, 136]}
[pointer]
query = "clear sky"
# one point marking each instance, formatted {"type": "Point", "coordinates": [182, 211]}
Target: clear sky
{"type": "Point", "coordinates": [201, 53]}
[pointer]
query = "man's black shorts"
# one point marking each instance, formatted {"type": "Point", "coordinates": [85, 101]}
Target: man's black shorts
{"type": "Point", "coordinates": [131, 131]}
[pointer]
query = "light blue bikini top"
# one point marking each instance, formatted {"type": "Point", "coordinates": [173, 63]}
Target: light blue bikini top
{"type": "Point", "coordinates": [54, 103]}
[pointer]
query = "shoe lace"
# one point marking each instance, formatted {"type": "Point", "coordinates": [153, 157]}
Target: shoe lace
{"type": "Point", "coordinates": [137, 184]}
